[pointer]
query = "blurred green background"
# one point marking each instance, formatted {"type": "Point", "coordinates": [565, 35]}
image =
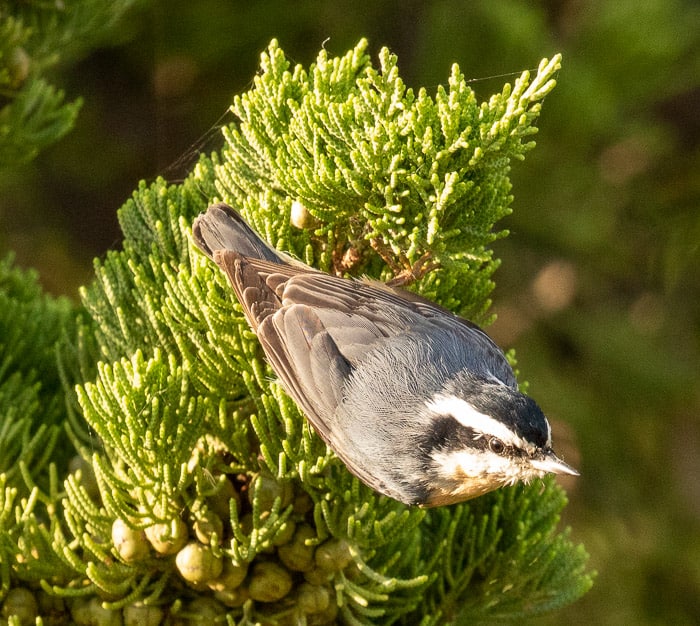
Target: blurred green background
{"type": "Point", "coordinates": [599, 289]}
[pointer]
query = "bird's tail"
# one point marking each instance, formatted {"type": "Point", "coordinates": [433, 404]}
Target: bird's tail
{"type": "Point", "coordinates": [222, 228]}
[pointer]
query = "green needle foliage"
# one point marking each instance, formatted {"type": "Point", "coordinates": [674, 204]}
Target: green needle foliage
{"type": "Point", "coordinates": [35, 36]}
{"type": "Point", "coordinates": [34, 328]}
{"type": "Point", "coordinates": [197, 487]}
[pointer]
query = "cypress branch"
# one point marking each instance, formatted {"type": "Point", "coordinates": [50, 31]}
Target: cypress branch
{"type": "Point", "coordinates": [199, 481]}
{"type": "Point", "coordinates": [34, 38]}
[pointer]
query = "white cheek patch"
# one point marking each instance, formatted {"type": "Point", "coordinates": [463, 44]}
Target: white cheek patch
{"type": "Point", "coordinates": [453, 466]}
{"type": "Point", "coordinates": [468, 463]}
{"type": "Point", "coordinates": [469, 417]}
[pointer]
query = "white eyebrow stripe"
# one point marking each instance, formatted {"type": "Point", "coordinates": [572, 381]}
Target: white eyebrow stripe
{"type": "Point", "coordinates": [469, 417]}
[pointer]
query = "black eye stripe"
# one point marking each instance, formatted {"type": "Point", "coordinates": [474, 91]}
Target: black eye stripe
{"type": "Point", "coordinates": [442, 434]}
{"type": "Point", "coordinates": [447, 434]}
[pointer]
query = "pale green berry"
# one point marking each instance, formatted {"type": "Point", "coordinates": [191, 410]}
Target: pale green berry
{"type": "Point", "coordinates": [140, 614]}
{"type": "Point", "coordinates": [269, 582]}
{"type": "Point", "coordinates": [313, 598]}
{"type": "Point", "coordinates": [298, 555]}
{"type": "Point", "coordinates": [208, 524]}
{"type": "Point", "coordinates": [317, 576]}
{"type": "Point", "coordinates": [167, 538]}
{"type": "Point", "coordinates": [21, 604]}
{"type": "Point", "coordinates": [231, 577]}
{"type": "Point", "coordinates": [267, 489]}
{"type": "Point", "coordinates": [333, 555]}
{"type": "Point", "coordinates": [285, 533]}
{"type": "Point", "coordinates": [90, 612]}
{"type": "Point", "coordinates": [198, 564]}
{"type": "Point", "coordinates": [131, 544]}
{"type": "Point", "coordinates": [301, 218]}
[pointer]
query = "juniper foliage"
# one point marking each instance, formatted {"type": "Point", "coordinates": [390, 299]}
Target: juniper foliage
{"type": "Point", "coordinates": [35, 37]}
{"type": "Point", "coordinates": [197, 481]}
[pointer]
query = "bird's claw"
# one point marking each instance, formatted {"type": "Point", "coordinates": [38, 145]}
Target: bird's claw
{"type": "Point", "coordinates": [405, 272]}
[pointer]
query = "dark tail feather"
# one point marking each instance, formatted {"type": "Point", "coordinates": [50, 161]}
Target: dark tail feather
{"type": "Point", "coordinates": [222, 228]}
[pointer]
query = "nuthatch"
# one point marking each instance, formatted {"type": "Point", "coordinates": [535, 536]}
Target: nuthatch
{"type": "Point", "coordinates": [417, 402]}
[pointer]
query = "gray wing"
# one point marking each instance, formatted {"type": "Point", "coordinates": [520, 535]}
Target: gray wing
{"type": "Point", "coordinates": [315, 328]}
{"type": "Point", "coordinates": [297, 344]}
{"type": "Point", "coordinates": [495, 363]}
{"type": "Point", "coordinates": [360, 315]}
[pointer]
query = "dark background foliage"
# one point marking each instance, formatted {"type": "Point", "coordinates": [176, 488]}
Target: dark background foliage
{"type": "Point", "coordinates": [598, 290]}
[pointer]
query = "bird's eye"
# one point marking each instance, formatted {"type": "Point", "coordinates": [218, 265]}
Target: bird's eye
{"type": "Point", "coordinates": [497, 446]}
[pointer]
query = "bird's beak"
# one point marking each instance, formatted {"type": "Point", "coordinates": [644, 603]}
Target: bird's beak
{"type": "Point", "coordinates": [553, 465]}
